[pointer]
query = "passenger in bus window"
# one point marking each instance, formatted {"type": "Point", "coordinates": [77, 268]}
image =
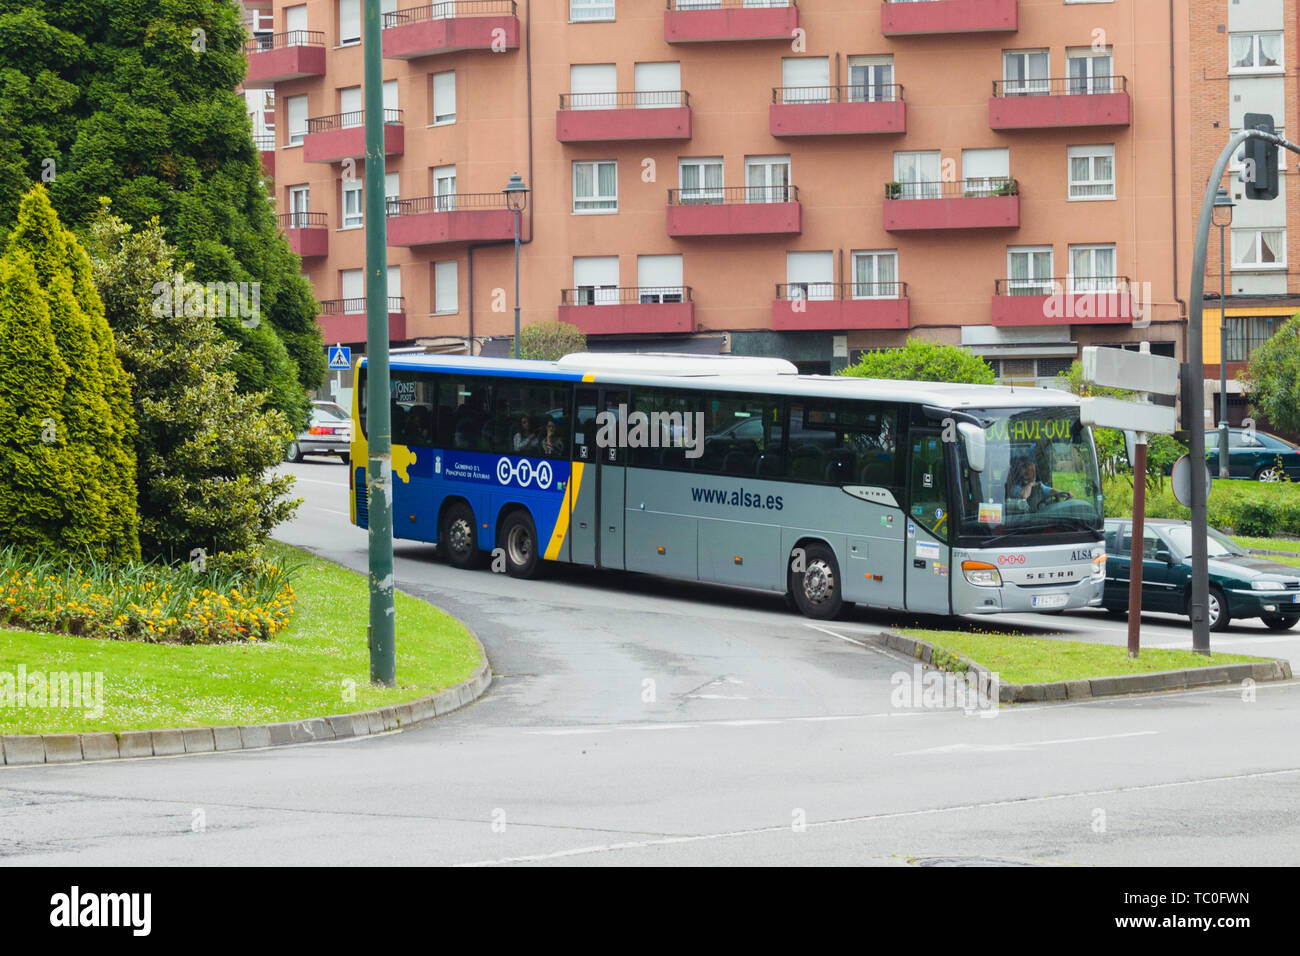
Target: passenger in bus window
{"type": "Point", "coordinates": [525, 438]}
{"type": "Point", "coordinates": [551, 445]}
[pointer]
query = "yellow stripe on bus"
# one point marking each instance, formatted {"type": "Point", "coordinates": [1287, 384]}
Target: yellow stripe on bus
{"type": "Point", "coordinates": [562, 521]}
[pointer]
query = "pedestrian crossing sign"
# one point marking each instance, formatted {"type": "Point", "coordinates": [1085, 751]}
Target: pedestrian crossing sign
{"type": "Point", "coordinates": [340, 358]}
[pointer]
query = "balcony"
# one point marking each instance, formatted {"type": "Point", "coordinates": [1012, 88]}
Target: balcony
{"type": "Point", "coordinates": [969, 204]}
{"type": "Point", "coordinates": [344, 320]}
{"type": "Point", "coordinates": [735, 211]}
{"type": "Point", "coordinates": [636, 310]}
{"type": "Point", "coordinates": [1096, 300]}
{"type": "Point", "coordinates": [837, 110]}
{"type": "Point", "coordinates": [449, 27]}
{"type": "Point", "coordinates": [827, 306]}
{"type": "Point", "coordinates": [606, 117]}
{"type": "Point", "coordinates": [332, 139]}
{"type": "Point", "coordinates": [307, 232]}
{"type": "Point", "coordinates": [723, 21]}
{"type": "Point", "coordinates": [933, 17]}
{"type": "Point", "coordinates": [265, 143]}
{"type": "Point", "coordinates": [1066, 102]}
{"type": "Point", "coordinates": [276, 57]}
{"type": "Point", "coordinates": [459, 217]}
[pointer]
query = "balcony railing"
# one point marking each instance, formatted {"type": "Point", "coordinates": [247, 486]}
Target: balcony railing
{"type": "Point", "coordinates": [349, 120]}
{"type": "Point", "coordinates": [302, 220]}
{"type": "Point", "coordinates": [685, 5]}
{"type": "Point", "coordinates": [264, 141]}
{"type": "Point", "coordinates": [625, 295]}
{"type": "Point", "coordinates": [451, 10]}
{"type": "Point", "coordinates": [656, 99]}
{"type": "Point", "coordinates": [1062, 285]}
{"type": "Point", "coordinates": [1061, 86]}
{"type": "Point", "coordinates": [840, 291]}
{"type": "Point", "coordinates": [962, 189]}
{"type": "Point", "coordinates": [722, 195]}
{"type": "Point", "coordinates": [799, 95]}
{"type": "Point", "coordinates": [396, 304]}
{"type": "Point", "coordinates": [448, 202]}
{"type": "Point", "coordinates": [276, 41]}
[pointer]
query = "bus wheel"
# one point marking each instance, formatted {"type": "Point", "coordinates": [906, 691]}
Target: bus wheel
{"type": "Point", "coordinates": [518, 538]}
{"type": "Point", "coordinates": [457, 538]}
{"type": "Point", "coordinates": [816, 589]}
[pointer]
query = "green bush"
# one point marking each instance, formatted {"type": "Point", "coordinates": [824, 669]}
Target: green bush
{"type": "Point", "coordinates": [1248, 508]}
{"type": "Point", "coordinates": [548, 341]}
{"type": "Point", "coordinates": [920, 360]}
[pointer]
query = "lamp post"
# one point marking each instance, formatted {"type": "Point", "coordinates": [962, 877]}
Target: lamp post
{"type": "Point", "coordinates": [516, 198]}
{"type": "Point", "coordinates": [1223, 206]}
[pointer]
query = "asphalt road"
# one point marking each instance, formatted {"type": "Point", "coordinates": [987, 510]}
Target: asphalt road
{"type": "Point", "coordinates": [641, 721]}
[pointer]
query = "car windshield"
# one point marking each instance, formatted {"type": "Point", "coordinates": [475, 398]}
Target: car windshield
{"type": "Point", "coordinates": [1220, 545]}
{"type": "Point", "coordinates": [1040, 475]}
{"type": "Point", "coordinates": [327, 413]}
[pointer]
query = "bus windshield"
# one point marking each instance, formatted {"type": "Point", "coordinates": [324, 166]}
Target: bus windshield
{"type": "Point", "coordinates": [1040, 476]}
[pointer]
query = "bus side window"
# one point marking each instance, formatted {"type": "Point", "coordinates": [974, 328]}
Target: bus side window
{"type": "Point", "coordinates": [929, 484]}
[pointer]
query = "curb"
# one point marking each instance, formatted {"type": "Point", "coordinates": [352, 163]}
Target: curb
{"type": "Point", "coordinates": [28, 749]}
{"type": "Point", "coordinates": [1195, 677]}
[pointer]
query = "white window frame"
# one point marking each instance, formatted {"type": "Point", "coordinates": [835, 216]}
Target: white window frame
{"type": "Point", "coordinates": [446, 276]}
{"type": "Point", "coordinates": [816, 92]}
{"type": "Point", "coordinates": [595, 204]}
{"type": "Point", "coordinates": [912, 189]}
{"type": "Point", "coordinates": [701, 195]}
{"type": "Point", "coordinates": [878, 255]}
{"type": "Point", "coordinates": [771, 191]}
{"type": "Point", "coordinates": [602, 294]}
{"type": "Point", "coordinates": [355, 274]}
{"type": "Point", "coordinates": [1091, 82]}
{"type": "Point", "coordinates": [1092, 154]}
{"type": "Point", "coordinates": [444, 198]}
{"type": "Point", "coordinates": [1034, 284]}
{"type": "Point", "coordinates": [874, 91]}
{"type": "Point", "coordinates": [1256, 36]}
{"type": "Point", "coordinates": [299, 206]}
{"type": "Point", "coordinates": [658, 293]}
{"type": "Point", "coordinates": [296, 136]}
{"type": "Point", "coordinates": [1092, 283]}
{"type": "Point", "coordinates": [1255, 265]}
{"type": "Point", "coordinates": [591, 11]}
{"type": "Point", "coordinates": [348, 40]}
{"type": "Point", "coordinates": [819, 262]}
{"type": "Point", "coordinates": [392, 191]}
{"type": "Point", "coordinates": [444, 118]}
{"type": "Point", "coordinates": [356, 220]}
{"type": "Point", "coordinates": [344, 122]}
{"type": "Point", "coordinates": [1030, 86]}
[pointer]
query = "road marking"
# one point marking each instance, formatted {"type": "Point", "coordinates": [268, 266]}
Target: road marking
{"type": "Point", "coordinates": [870, 818]}
{"type": "Point", "coordinates": [327, 510]}
{"type": "Point", "coordinates": [317, 481]}
{"type": "Point", "coordinates": [870, 647]}
{"type": "Point", "coordinates": [996, 748]}
{"type": "Point", "coordinates": [714, 697]}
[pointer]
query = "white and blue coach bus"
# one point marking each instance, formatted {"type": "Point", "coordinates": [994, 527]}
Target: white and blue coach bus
{"type": "Point", "coordinates": [917, 496]}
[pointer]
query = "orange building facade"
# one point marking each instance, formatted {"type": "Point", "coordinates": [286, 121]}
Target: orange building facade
{"type": "Point", "coordinates": [750, 176]}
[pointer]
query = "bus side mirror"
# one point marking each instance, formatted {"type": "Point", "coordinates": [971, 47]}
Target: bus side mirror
{"type": "Point", "coordinates": [972, 437]}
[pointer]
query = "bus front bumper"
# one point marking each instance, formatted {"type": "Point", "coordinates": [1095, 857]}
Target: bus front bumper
{"type": "Point", "coordinates": [1032, 600]}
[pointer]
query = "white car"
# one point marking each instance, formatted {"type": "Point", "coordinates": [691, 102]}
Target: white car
{"type": "Point", "coordinates": [329, 432]}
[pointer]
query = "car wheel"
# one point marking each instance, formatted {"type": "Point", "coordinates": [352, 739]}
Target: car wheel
{"type": "Point", "coordinates": [1217, 609]}
{"type": "Point", "coordinates": [1279, 622]}
{"type": "Point", "coordinates": [1116, 611]}
{"type": "Point", "coordinates": [294, 452]}
{"type": "Point", "coordinates": [817, 589]}
{"type": "Point", "coordinates": [1269, 473]}
{"type": "Point", "coordinates": [457, 538]}
{"type": "Point", "coordinates": [518, 539]}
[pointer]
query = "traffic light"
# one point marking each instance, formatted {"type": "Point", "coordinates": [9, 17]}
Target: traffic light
{"type": "Point", "coordinates": [1259, 170]}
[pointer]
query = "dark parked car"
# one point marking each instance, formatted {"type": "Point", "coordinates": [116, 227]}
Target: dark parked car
{"type": "Point", "coordinates": [329, 432]}
{"type": "Point", "coordinates": [1253, 454]}
{"type": "Point", "coordinates": [1241, 585]}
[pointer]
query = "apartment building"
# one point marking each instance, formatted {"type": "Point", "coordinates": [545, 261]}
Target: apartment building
{"type": "Point", "coordinates": [1244, 59]}
{"type": "Point", "coordinates": [759, 177]}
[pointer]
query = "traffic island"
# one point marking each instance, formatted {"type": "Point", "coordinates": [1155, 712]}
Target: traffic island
{"type": "Point", "coordinates": [1031, 670]}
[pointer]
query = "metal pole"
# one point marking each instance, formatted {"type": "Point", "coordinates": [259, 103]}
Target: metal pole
{"type": "Point", "coordinates": [379, 474]}
{"type": "Point", "coordinates": [517, 212]}
{"type": "Point", "coordinates": [1223, 356]}
{"type": "Point", "coordinates": [1136, 552]}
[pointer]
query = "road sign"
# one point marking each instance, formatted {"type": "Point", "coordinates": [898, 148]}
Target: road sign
{"type": "Point", "coordinates": [1182, 481]}
{"type": "Point", "coordinates": [1135, 371]}
{"type": "Point", "coordinates": [340, 358]}
{"type": "Point", "coordinates": [1129, 416]}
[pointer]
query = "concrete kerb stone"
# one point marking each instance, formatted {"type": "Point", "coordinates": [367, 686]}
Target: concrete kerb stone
{"type": "Point", "coordinates": [62, 748]}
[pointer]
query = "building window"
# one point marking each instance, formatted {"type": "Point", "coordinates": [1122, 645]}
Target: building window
{"type": "Point", "coordinates": [810, 275]}
{"type": "Point", "coordinates": [295, 108]}
{"type": "Point", "coordinates": [700, 181]}
{"type": "Point", "coordinates": [659, 279]}
{"type": "Point", "coordinates": [595, 186]}
{"type": "Point", "coordinates": [444, 188]}
{"type": "Point", "coordinates": [595, 280]}
{"type": "Point", "coordinates": [805, 79]}
{"type": "Point", "coordinates": [353, 211]}
{"type": "Point", "coordinates": [658, 85]}
{"type": "Point", "coordinates": [585, 11]}
{"type": "Point", "coordinates": [1092, 268]}
{"type": "Point", "coordinates": [1089, 70]}
{"type": "Point", "coordinates": [1029, 270]}
{"type": "Point", "coordinates": [349, 22]}
{"type": "Point", "coordinates": [985, 172]}
{"type": "Point", "coordinates": [917, 175]}
{"type": "Point", "coordinates": [299, 207]}
{"type": "Point", "coordinates": [446, 289]}
{"type": "Point", "coordinates": [1092, 172]}
{"type": "Point", "coordinates": [353, 284]}
{"type": "Point", "coordinates": [1026, 73]}
{"type": "Point", "coordinates": [1262, 249]}
{"type": "Point", "coordinates": [767, 178]}
{"type": "Point", "coordinates": [1255, 52]}
{"type": "Point", "coordinates": [1246, 333]}
{"type": "Point", "coordinates": [875, 274]}
{"type": "Point", "coordinates": [392, 193]}
{"type": "Point", "coordinates": [444, 98]}
{"type": "Point", "coordinates": [593, 86]}
{"type": "Point", "coordinates": [351, 107]}
{"type": "Point", "coordinates": [871, 79]}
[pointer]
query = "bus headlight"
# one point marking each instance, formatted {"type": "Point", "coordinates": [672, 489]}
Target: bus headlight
{"type": "Point", "coordinates": [981, 574]}
{"type": "Point", "coordinates": [1099, 567]}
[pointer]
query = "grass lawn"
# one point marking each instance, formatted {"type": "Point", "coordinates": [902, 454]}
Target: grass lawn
{"type": "Point", "coordinates": [1031, 660]}
{"type": "Point", "coordinates": [318, 666]}
{"type": "Point", "coordinates": [1270, 544]}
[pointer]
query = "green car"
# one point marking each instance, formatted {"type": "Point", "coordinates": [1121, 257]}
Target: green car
{"type": "Point", "coordinates": [1241, 585]}
{"type": "Point", "coordinates": [1254, 454]}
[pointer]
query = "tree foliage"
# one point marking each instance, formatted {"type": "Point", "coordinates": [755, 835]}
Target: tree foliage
{"type": "Point", "coordinates": [135, 100]}
{"type": "Point", "coordinates": [204, 447]}
{"type": "Point", "coordinates": [920, 360]}
{"type": "Point", "coordinates": [549, 341]}
{"type": "Point", "coordinates": [1273, 378]}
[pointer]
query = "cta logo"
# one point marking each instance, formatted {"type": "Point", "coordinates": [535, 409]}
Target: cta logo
{"type": "Point", "coordinates": [1005, 559]}
{"type": "Point", "coordinates": [521, 472]}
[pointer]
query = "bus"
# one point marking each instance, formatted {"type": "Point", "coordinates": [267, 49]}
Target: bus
{"type": "Point", "coordinates": [831, 490]}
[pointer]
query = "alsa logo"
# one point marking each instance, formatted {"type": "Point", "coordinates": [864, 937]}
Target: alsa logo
{"type": "Point", "coordinates": [1081, 555]}
{"type": "Point", "coordinates": [1005, 559]}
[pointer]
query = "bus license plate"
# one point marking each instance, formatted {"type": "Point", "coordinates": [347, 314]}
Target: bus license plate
{"type": "Point", "coordinates": [1048, 601]}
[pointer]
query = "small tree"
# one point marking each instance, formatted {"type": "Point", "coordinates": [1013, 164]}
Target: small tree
{"type": "Point", "coordinates": [920, 360]}
{"type": "Point", "coordinates": [1273, 378]}
{"type": "Point", "coordinates": [204, 447]}
{"type": "Point", "coordinates": [548, 341]}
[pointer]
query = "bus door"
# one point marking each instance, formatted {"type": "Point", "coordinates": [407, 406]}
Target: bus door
{"type": "Point", "coordinates": [928, 556]}
{"type": "Point", "coordinates": [597, 483]}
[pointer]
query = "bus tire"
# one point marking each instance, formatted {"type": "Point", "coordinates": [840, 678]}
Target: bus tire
{"type": "Point", "coordinates": [817, 590]}
{"type": "Point", "coordinates": [457, 538]}
{"type": "Point", "coordinates": [517, 537]}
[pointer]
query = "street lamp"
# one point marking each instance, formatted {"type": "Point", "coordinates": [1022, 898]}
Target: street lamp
{"type": "Point", "coordinates": [516, 199]}
{"type": "Point", "coordinates": [1223, 206]}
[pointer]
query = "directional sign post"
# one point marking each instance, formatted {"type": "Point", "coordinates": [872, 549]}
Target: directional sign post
{"type": "Point", "coordinates": [1148, 375]}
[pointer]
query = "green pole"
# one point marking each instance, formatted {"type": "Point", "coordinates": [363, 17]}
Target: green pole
{"type": "Point", "coordinates": [379, 472]}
